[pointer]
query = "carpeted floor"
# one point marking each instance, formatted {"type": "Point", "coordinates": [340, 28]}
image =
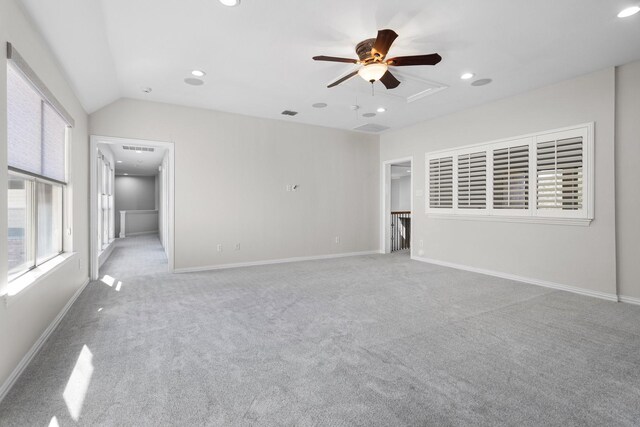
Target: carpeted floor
{"type": "Point", "coordinates": [366, 341]}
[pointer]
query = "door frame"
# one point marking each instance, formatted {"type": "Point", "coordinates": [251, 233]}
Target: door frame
{"type": "Point", "coordinates": [385, 203]}
{"type": "Point", "coordinates": [94, 140]}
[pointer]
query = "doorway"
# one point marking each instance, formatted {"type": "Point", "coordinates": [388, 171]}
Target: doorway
{"type": "Point", "coordinates": [397, 205]}
{"type": "Point", "coordinates": [131, 194]}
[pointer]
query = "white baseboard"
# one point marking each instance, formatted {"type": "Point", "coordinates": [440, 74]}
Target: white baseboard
{"type": "Point", "coordinates": [629, 300]}
{"type": "Point", "coordinates": [4, 389]}
{"type": "Point", "coordinates": [272, 261]}
{"type": "Point", "coordinates": [538, 282]}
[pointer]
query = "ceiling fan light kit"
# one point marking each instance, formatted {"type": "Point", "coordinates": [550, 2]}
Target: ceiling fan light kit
{"type": "Point", "coordinates": [372, 55]}
{"type": "Point", "coordinates": [373, 72]}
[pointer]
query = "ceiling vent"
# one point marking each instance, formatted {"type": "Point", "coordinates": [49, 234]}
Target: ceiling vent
{"type": "Point", "coordinates": [289, 113]}
{"type": "Point", "coordinates": [132, 148]}
{"type": "Point", "coordinates": [371, 127]}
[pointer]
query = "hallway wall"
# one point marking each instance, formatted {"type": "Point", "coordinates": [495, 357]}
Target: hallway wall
{"type": "Point", "coordinates": [134, 193]}
{"type": "Point", "coordinates": [231, 177]}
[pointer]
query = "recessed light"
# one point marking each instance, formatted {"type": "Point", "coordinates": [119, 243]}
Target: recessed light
{"type": "Point", "coordinates": [193, 82]}
{"type": "Point", "coordinates": [125, 174]}
{"type": "Point", "coordinates": [630, 11]}
{"type": "Point", "coordinates": [408, 170]}
{"type": "Point", "coordinates": [198, 73]}
{"type": "Point", "coordinates": [138, 151]}
{"type": "Point", "coordinates": [230, 3]}
{"type": "Point", "coordinates": [481, 82]}
{"type": "Point", "coordinates": [319, 105]}
{"type": "Point", "coordinates": [369, 115]}
{"type": "Point", "coordinates": [146, 89]}
{"type": "Point", "coordinates": [381, 110]}
{"type": "Point", "coordinates": [118, 161]}
{"type": "Point", "coordinates": [467, 76]}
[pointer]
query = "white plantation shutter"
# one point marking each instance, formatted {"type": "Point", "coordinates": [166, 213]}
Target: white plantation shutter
{"type": "Point", "coordinates": [511, 178]}
{"type": "Point", "coordinates": [441, 183]}
{"type": "Point", "coordinates": [472, 180]}
{"type": "Point", "coordinates": [559, 166]}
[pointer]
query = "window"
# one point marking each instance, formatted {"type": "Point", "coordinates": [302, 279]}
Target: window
{"type": "Point", "coordinates": [441, 183]}
{"type": "Point", "coordinates": [511, 178]}
{"type": "Point", "coordinates": [544, 177]}
{"type": "Point", "coordinates": [472, 180]}
{"type": "Point", "coordinates": [36, 148]}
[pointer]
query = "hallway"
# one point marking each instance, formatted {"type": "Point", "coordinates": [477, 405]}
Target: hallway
{"type": "Point", "coordinates": [135, 256]}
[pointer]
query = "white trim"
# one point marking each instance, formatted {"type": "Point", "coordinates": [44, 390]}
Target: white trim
{"type": "Point", "coordinates": [93, 217]}
{"type": "Point", "coordinates": [15, 374]}
{"type": "Point", "coordinates": [20, 285]}
{"type": "Point", "coordinates": [273, 261]}
{"type": "Point", "coordinates": [385, 202]}
{"type": "Point", "coordinates": [538, 282]}
{"type": "Point", "coordinates": [585, 222]}
{"type": "Point", "coordinates": [629, 300]}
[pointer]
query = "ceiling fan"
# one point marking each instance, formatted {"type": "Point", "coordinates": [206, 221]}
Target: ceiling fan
{"type": "Point", "coordinates": [372, 55]}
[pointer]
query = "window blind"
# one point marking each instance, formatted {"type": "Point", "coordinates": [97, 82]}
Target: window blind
{"type": "Point", "coordinates": [472, 180]}
{"type": "Point", "coordinates": [441, 182]}
{"type": "Point", "coordinates": [559, 166]}
{"type": "Point", "coordinates": [511, 178]}
{"type": "Point", "coordinates": [36, 133]}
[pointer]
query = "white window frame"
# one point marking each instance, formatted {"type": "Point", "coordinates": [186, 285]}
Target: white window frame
{"type": "Point", "coordinates": [582, 217]}
{"type": "Point", "coordinates": [15, 60]}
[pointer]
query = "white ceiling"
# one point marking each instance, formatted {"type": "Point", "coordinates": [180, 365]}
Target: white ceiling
{"type": "Point", "coordinates": [258, 56]}
{"type": "Point", "coordinates": [144, 163]}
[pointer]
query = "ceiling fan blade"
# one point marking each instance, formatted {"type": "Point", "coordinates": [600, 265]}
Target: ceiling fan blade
{"type": "Point", "coordinates": [389, 81]}
{"type": "Point", "coordinates": [347, 77]}
{"type": "Point", "coordinates": [335, 59]}
{"type": "Point", "coordinates": [403, 61]}
{"type": "Point", "coordinates": [383, 42]}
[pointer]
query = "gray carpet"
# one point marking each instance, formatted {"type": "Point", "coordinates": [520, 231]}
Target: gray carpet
{"type": "Point", "coordinates": [371, 340]}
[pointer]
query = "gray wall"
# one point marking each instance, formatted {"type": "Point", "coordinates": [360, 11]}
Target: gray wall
{"type": "Point", "coordinates": [401, 194]}
{"type": "Point", "coordinates": [28, 314]}
{"type": "Point", "coordinates": [231, 173]}
{"type": "Point", "coordinates": [628, 179]}
{"type": "Point", "coordinates": [134, 193]}
{"type": "Point", "coordinates": [582, 257]}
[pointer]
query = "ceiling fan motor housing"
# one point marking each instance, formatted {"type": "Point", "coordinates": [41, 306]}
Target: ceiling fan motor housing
{"type": "Point", "coordinates": [363, 49]}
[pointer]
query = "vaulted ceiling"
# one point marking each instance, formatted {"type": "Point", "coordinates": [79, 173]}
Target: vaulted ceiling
{"type": "Point", "coordinates": [257, 56]}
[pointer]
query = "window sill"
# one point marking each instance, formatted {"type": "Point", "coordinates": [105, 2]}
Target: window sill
{"type": "Point", "coordinates": [582, 222]}
{"type": "Point", "coordinates": [18, 286]}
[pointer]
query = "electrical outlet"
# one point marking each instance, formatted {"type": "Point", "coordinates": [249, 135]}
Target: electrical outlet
{"type": "Point", "coordinates": [337, 239]}
{"type": "Point", "coordinates": [421, 243]}
{"type": "Point", "coordinates": [237, 246]}
{"type": "Point", "coordinates": [219, 247]}
{"type": "Point", "coordinates": [288, 187]}
{"type": "Point", "coordinates": [79, 263]}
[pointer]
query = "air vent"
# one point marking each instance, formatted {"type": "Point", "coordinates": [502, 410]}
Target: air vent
{"type": "Point", "coordinates": [289, 113]}
{"type": "Point", "coordinates": [132, 148]}
{"type": "Point", "coordinates": [371, 127]}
